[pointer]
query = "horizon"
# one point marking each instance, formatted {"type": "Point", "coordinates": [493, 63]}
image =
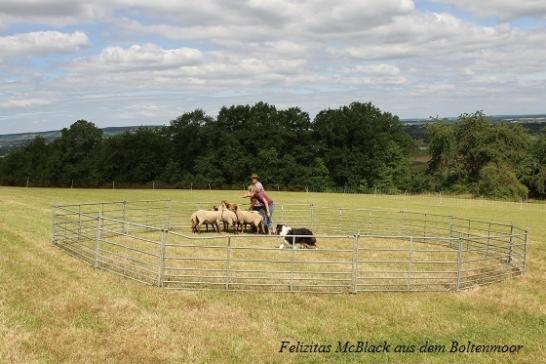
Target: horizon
{"type": "Point", "coordinates": [167, 123]}
{"type": "Point", "coordinates": [132, 62]}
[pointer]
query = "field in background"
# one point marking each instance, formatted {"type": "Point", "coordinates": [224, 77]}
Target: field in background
{"type": "Point", "coordinates": [55, 308]}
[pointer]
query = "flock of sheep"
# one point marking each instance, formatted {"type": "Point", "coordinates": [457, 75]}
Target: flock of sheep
{"type": "Point", "coordinates": [230, 215]}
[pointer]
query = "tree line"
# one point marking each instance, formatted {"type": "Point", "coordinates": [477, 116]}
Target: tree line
{"type": "Point", "coordinates": [356, 147]}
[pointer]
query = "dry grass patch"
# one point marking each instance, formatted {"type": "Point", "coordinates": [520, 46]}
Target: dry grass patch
{"type": "Point", "coordinates": [54, 308]}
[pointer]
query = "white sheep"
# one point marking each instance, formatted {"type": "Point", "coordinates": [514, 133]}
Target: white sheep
{"type": "Point", "coordinates": [253, 218]}
{"type": "Point", "coordinates": [229, 218]}
{"type": "Point", "coordinates": [205, 217]}
{"type": "Point", "coordinates": [214, 218]}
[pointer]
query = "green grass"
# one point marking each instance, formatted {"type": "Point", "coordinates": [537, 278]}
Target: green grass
{"type": "Point", "coordinates": [54, 308]}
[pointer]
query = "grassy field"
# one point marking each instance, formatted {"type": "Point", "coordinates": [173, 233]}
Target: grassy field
{"type": "Point", "coordinates": [54, 308]}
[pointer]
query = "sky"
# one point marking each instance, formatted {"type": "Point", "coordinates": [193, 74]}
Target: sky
{"type": "Point", "coordinates": [141, 62]}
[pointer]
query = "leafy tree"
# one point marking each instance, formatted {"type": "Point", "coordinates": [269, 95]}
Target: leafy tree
{"type": "Point", "coordinates": [471, 133]}
{"type": "Point", "coordinates": [466, 154]}
{"type": "Point", "coordinates": [135, 157]}
{"type": "Point", "coordinates": [500, 181]}
{"type": "Point", "coordinates": [358, 147]}
{"type": "Point", "coordinates": [319, 179]}
{"type": "Point", "coordinates": [186, 138]}
{"type": "Point", "coordinates": [361, 145]}
{"type": "Point", "coordinates": [532, 170]}
{"type": "Point", "coordinates": [440, 137]}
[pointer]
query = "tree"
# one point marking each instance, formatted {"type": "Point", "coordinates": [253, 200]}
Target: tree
{"type": "Point", "coordinates": [500, 181]}
{"type": "Point", "coordinates": [187, 138]}
{"type": "Point", "coordinates": [532, 170]}
{"type": "Point", "coordinates": [28, 162]}
{"type": "Point", "coordinates": [135, 157]}
{"type": "Point", "coordinates": [319, 179]}
{"type": "Point", "coordinates": [472, 133]}
{"type": "Point", "coordinates": [461, 151]}
{"type": "Point", "coordinates": [75, 154]}
{"type": "Point", "coordinates": [362, 146]}
{"type": "Point", "coordinates": [440, 137]}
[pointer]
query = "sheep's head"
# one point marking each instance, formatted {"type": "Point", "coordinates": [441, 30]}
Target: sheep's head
{"type": "Point", "coordinates": [229, 205]}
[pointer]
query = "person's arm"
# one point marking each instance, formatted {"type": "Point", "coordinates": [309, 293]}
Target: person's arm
{"type": "Point", "coordinates": [263, 200]}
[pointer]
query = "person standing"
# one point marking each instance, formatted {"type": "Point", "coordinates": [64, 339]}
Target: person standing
{"type": "Point", "coordinates": [255, 180]}
{"type": "Point", "coordinates": [269, 209]}
{"type": "Point", "coordinates": [260, 201]}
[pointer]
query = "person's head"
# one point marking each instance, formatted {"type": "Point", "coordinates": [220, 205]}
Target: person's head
{"type": "Point", "coordinates": [254, 178]}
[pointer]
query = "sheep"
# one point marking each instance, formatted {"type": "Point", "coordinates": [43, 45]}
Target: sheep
{"type": "Point", "coordinates": [228, 206]}
{"type": "Point", "coordinates": [205, 217]}
{"type": "Point", "coordinates": [229, 218]}
{"type": "Point", "coordinates": [249, 217]}
{"type": "Point", "coordinates": [222, 214]}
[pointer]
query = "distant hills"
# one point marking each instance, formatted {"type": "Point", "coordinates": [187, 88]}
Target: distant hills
{"type": "Point", "coordinates": [11, 141]}
{"type": "Point", "coordinates": [533, 122]}
{"type": "Point", "coordinates": [523, 119]}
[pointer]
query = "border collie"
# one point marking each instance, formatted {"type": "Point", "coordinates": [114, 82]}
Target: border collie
{"type": "Point", "coordinates": [307, 241]}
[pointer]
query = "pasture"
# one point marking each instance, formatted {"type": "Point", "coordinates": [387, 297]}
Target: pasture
{"type": "Point", "coordinates": [54, 308]}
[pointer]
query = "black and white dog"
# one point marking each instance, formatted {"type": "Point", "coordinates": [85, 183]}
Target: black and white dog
{"type": "Point", "coordinates": [303, 237]}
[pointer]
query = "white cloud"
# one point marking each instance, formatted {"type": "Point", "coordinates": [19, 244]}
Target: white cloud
{"type": "Point", "coordinates": [502, 9]}
{"type": "Point", "coordinates": [24, 103]}
{"type": "Point", "coordinates": [373, 74]}
{"type": "Point", "coordinates": [181, 67]}
{"type": "Point", "coordinates": [429, 35]}
{"type": "Point", "coordinates": [165, 69]}
{"type": "Point", "coordinates": [41, 43]}
{"type": "Point", "coordinates": [139, 57]}
{"type": "Point", "coordinates": [154, 58]}
{"type": "Point", "coordinates": [263, 21]}
{"type": "Point", "coordinates": [54, 12]}
{"type": "Point", "coordinates": [380, 69]}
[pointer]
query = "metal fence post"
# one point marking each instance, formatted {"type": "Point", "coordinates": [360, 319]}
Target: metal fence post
{"type": "Point", "coordinates": [147, 216]}
{"type": "Point", "coordinates": [488, 239]}
{"type": "Point", "coordinates": [511, 243]}
{"type": "Point", "coordinates": [54, 224]}
{"type": "Point", "coordinates": [425, 226]}
{"type": "Point", "coordinates": [169, 215]}
{"type": "Point", "coordinates": [292, 262]}
{"type": "Point", "coordinates": [401, 222]}
{"type": "Point", "coordinates": [125, 225]}
{"type": "Point", "coordinates": [161, 268]}
{"type": "Point", "coordinates": [99, 234]}
{"type": "Point", "coordinates": [312, 216]}
{"type": "Point", "coordinates": [79, 222]}
{"type": "Point", "coordinates": [525, 252]}
{"type": "Point", "coordinates": [450, 227]}
{"type": "Point", "coordinates": [227, 273]}
{"type": "Point", "coordinates": [459, 263]}
{"type": "Point", "coordinates": [410, 262]}
{"type": "Point", "coordinates": [354, 272]}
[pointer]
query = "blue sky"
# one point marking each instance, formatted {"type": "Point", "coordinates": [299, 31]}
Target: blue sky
{"type": "Point", "coordinates": [134, 62]}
